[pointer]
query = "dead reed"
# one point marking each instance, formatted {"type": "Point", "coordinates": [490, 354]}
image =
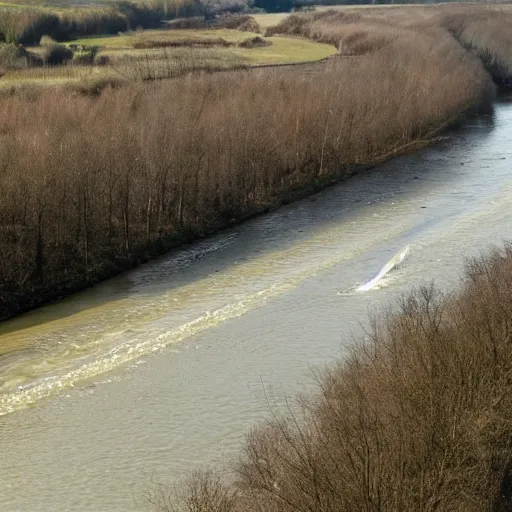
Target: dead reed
{"type": "Point", "coordinates": [185, 42]}
{"type": "Point", "coordinates": [485, 32]}
{"type": "Point", "coordinates": [482, 29]}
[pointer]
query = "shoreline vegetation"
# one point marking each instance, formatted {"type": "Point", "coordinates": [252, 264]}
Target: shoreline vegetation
{"type": "Point", "coordinates": [100, 183]}
{"type": "Point", "coordinates": [417, 417]}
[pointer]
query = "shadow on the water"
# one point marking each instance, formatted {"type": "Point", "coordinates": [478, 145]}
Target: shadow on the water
{"type": "Point", "coordinates": [438, 165]}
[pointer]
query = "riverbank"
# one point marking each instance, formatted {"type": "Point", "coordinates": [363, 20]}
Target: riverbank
{"type": "Point", "coordinates": [164, 245]}
{"type": "Point", "coordinates": [39, 297]}
{"type": "Point", "coordinates": [116, 180]}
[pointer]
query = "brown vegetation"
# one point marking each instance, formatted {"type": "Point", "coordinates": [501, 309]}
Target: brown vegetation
{"type": "Point", "coordinates": [485, 30]}
{"type": "Point", "coordinates": [97, 184]}
{"type": "Point", "coordinates": [254, 42]}
{"type": "Point", "coordinates": [170, 62]}
{"type": "Point", "coordinates": [26, 25]}
{"type": "Point", "coordinates": [203, 491]}
{"type": "Point", "coordinates": [416, 419]}
{"type": "Point", "coordinates": [192, 23]}
{"type": "Point", "coordinates": [487, 34]}
{"type": "Point", "coordinates": [178, 43]}
{"type": "Point", "coordinates": [353, 32]}
{"type": "Point", "coordinates": [242, 22]}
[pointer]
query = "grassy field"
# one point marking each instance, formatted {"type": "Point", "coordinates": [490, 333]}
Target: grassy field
{"type": "Point", "coordinates": [127, 62]}
{"type": "Point", "coordinates": [280, 51]}
{"type": "Point", "coordinates": [131, 39]}
{"type": "Point", "coordinates": [269, 19]}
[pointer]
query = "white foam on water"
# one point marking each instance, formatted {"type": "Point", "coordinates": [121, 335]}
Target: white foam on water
{"type": "Point", "coordinates": [134, 349]}
{"type": "Point", "coordinates": [392, 263]}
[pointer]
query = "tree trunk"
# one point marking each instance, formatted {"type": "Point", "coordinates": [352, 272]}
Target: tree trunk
{"type": "Point", "coordinates": [39, 261]}
{"type": "Point", "coordinates": [86, 230]}
{"type": "Point", "coordinates": [148, 217]}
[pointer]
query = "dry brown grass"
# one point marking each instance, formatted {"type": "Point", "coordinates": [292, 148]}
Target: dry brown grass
{"type": "Point", "coordinates": [416, 419]}
{"type": "Point", "coordinates": [243, 23]}
{"type": "Point", "coordinates": [483, 29]}
{"type": "Point", "coordinates": [486, 32]}
{"type": "Point", "coordinates": [171, 62]}
{"type": "Point", "coordinates": [254, 42]}
{"type": "Point", "coordinates": [353, 32]}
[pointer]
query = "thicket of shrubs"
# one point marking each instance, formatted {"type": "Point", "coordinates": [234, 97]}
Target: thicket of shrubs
{"type": "Point", "coordinates": [417, 418]}
{"type": "Point", "coordinates": [254, 42]}
{"type": "Point", "coordinates": [57, 55]}
{"type": "Point", "coordinates": [189, 42]}
{"type": "Point", "coordinates": [114, 179]}
{"type": "Point", "coordinates": [235, 22]}
{"type": "Point", "coordinates": [13, 56]}
{"type": "Point", "coordinates": [27, 25]}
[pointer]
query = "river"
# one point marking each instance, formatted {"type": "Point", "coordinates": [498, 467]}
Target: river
{"type": "Point", "coordinates": [163, 369]}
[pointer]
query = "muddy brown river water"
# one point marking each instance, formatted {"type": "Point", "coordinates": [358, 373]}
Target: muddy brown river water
{"type": "Point", "coordinates": [163, 369]}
